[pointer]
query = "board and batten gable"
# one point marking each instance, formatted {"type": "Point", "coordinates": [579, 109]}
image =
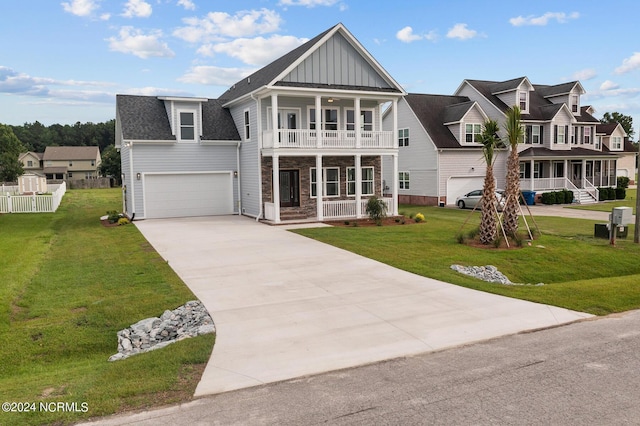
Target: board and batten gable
{"type": "Point", "coordinates": [180, 158]}
{"type": "Point", "coordinates": [336, 62]}
{"type": "Point", "coordinates": [249, 173]}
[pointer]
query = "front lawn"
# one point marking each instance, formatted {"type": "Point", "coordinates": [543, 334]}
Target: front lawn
{"type": "Point", "coordinates": [579, 271]}
{"type": "Point", "coordinates": [68, 285]}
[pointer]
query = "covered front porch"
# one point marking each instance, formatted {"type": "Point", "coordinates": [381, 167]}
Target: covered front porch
{"type": "Point", "coordinates": [294, 190]}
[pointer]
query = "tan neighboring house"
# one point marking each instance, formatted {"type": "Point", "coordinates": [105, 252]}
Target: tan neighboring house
{"type": "Point", "coordinates": [31, 162]}
{"type": "Point", "coordinates": [614, 139]}
{"type": "Point", "coordinates": [71, 162]}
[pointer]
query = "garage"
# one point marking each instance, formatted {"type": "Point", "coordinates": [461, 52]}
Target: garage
{"type": "Point", "coordinates": [457, 186]}
{"type": "Point", "coordinates": [187, 194]}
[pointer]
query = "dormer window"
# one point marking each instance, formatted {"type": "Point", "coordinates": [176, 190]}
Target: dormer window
{"type": "Point", "coordinates": [575, 104]}
{"type": "Point", "coordinates": [472, 133]}
{"type": "Point", "coordinates": [523, 100]}
{"type": "Point", "coordinates": [187, 126]}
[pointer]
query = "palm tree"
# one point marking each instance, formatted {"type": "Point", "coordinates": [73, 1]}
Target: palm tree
{"type": "Point", "coordinates": [488, 225]}
{"type": "Point", "coordinates": [515, 135]}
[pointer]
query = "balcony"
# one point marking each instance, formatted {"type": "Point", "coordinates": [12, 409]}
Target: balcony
{"type": "Point", "coordinates": [329, 139]}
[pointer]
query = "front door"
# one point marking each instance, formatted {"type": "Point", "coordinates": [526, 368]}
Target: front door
{"type": "Point", "coordinates": [289, 188]}
{"type": "Point", "coordinates": [288, 120]}
{"type": "Point", "coordinates": [576, 174]}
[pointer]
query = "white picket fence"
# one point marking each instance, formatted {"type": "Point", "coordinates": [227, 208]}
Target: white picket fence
{"type": "Point", "coordinates": [47, 203]}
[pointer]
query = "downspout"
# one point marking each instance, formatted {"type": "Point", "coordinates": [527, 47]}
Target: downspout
{"type": "Point", "coordinates": [438, 152]}
{"type": "Point", "coordinates": [239, 176]}
{"type": "Point", "coordinates": [258, 137]}
{"type": "Point", "coordinates": [133, 192]}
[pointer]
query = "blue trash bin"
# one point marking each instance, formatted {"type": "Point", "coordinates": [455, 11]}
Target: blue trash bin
{"type": "Point", "coordinates": [529, 197]}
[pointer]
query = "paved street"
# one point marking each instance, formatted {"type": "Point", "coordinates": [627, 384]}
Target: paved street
{"type": "Point", "coordinates": [585, 373]}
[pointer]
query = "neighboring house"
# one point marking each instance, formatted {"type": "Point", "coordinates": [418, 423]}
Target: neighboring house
{"type": "Point", "coordinates": [301, 138]}
{"type": "Point", "coordinates": [439, 154]}
{"type": "Point", "coordinates": [71, 162]}
{"type": "Point", "coordinates": [613, 138]}
{"type": "Point", "coordinates": [31, 162]}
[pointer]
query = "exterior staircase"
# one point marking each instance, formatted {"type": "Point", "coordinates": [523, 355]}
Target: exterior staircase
{"type": "Point", "coordinates": [583, 197]}
{"type": "Point", "coordinates": [292, 215]}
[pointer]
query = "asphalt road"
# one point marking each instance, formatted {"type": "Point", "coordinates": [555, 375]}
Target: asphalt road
{"type": "Point", "coordinates": [585, 373]}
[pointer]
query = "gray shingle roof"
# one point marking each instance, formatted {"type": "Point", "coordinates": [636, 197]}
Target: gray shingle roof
{"type": "Point", "coordinates": [557, 89]}
{"type": "Point", "coordinates": [538, 152]}
{"type": "Point", "coordinates": [434, 110]}
{"type": "Point", "coordinates": [607, 129]}
{"type": "Point", "coordinates": [145, 118]}
{"type": "Point", "coordinates": [70, 153]}
{"type": "Point", "coordinates": [506, 86]}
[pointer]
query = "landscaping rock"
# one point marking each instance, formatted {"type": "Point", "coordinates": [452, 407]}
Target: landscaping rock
{"type": "Point", "coordinates": [189, 320]}
{"type": "Point", "coordinates": [486, 273]}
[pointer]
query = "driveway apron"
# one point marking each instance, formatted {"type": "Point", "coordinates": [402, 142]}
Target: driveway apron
{"type": "Point", "coordinates": [286, 306]}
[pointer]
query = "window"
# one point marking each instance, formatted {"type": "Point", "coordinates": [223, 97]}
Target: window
{"type": "Point", "coordinates": [366, 120]}
{"type": "Point", "coordinates": [330, 121]}
{"type": "Point", "coordinates": [525, 170]}
{"type": "Point", "coordinates": [574, 103]}
{"type": "Point", "coordinates": [93, 163]}
{"type": "Point", "coordinates": [247, 126]}
{"type": "Point", "coordinates": [330, 182]}
{"type": "Point", "coordinates": [587, 135]}
{"type": "Point", "coordinates": [558, 169]}
{"type": "Point", "coordinates": [616, 142]}
{"type": "Point", "coordinates": [70, 174]}
{"type": "Point", "coordinates": [472, 132]}
{"type": "Point", "coordinates": [533, 134]}
{"type": "Point", "coordinates": [403, 137]}
{"type": "Point", "coordinates": [367, 181]}
{"type": "Point", "coordinates": [598, 142]}
{"type": "Point", "coordinates": [403, 179]}
{"type": "Point", "coordinates": [29, 163]}
{"type": "Point", "coordinates": [522, 100]}
{"type": "Point", "coordinates": [187, 126]}
{"type": "Point", "coordinates": [560, 133]}
{"type": "Point", "coordinates": [70, 163]}
{"type": "Point", "coordinates": [537, 170]}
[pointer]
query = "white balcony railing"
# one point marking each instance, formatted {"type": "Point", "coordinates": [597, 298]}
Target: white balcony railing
{"type": "Point", "coordinates": [341, 139]}
{"type": "Point", "coordinates": [347, 208]}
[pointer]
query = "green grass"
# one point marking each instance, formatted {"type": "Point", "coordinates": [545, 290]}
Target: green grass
{"type": "Point", "coordinates": [579, 271]}
{"type": "Point", "coordinates": [68, 285]}
{"type": "Point", "coordinates": [607, 206]}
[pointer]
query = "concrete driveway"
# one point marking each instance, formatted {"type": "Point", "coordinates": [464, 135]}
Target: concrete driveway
{"type": "Point", "coordinates": [286, 306]}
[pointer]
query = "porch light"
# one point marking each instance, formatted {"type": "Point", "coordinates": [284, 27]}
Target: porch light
{"type": "Point", "coordinates": [138, 175]}
{"type": "Point", "coordinates": [330, 100]}
{"type": "Point", "coordinates": [235, 173]}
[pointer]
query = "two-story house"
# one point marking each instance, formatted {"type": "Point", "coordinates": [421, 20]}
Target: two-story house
{"type": "Point", "coordinates": [614, 139]}
{"type": "Point", "coordinates": [301, 138]}
{"type": "Point", "coordinates": [71, 162]}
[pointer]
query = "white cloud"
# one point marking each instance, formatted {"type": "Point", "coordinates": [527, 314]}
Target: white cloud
{"type": "Point", "coordinates": [406, 35]}
{"type": "Point", "coordinates": [542, 20]}
{"type": "Point", "coordinates": [584, 75]}
{"type": "Point", "coordinates": [217, 25]}
{"type": "Point", "coordinates": [609, 85]}
{"type": "Point", "coordinates": [460, 31]}
{"type": "Point", "coordinates": [255, 51]}
{"type": "Point", "coordinates": [80, 7]}
{"type": "Point", "coordinates": [187, 4]}
{"type": "Point", "coordinates": [214, 76]}
{"type": "Point", "coordinates": [135, 42]}
{"type": "Point", "coordinates": [629, 64]}
{"type": "Point", "coordinates": [137, 9]}
{"type": "Point", "coordinates": [307, 3]}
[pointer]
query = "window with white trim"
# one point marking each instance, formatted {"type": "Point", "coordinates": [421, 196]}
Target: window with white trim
{"type": "Point", "coordinates": [558, 169]}
{"type": "Point", "coordinates": [575, 103]}
{"type": "Point", "coordinates": [616, 142]}
{"type": "Point", "coordinates": [403, 137]}
{"type": "Point", "coordinates": [560, 133]}
{"type": "Point", "coordinates": [29, 163]}
{"type": "Point", "coordinates": [472, 133]}
{"type": "Point", "coordinates": [330, 182]}
{"type": "Point", "coordinates": [403, 180]}
{"type": "Point", "coordinates": [247, 125]}
{"type": "Point", "coordinates": [330, 119]}
{"type": "Point", "coordinates": [366, 120]}
{"type": "Point", "coordinates": [598, 142]}
{"type": "Point", "coordinates": [537, 170]}
{"type": "Point", "coordinates": [187, 126]}
{"type": "Point", "coordinates": [587, 135]}
{"type": "Point", "coordinates": [523, 101]}
{"type": "Point", "coordinates": [367, 180]}
{"type": "Point", "coordinates": [93, 163]}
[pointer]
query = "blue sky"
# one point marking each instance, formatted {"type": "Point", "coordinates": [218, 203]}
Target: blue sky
{"type": "Point", "coordinates": [64, 61]}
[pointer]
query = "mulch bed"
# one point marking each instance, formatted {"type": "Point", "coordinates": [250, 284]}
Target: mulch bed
{"type": "Point", "coordinates": [388, 221]}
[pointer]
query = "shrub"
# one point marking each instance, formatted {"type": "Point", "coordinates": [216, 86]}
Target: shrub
{"type": "Point", "coordinates": [559, 195]}
{"type": "Point", "coordinates": [602, 194]}
{"type": "Point", "coordinates": [376, 209]}
{"type": "Point", "coordinates": [113, 216]}
{"type": "Point", "coordinates": [548, 198]}
{"type": "Point", "coordinates": [611, 193]}
{"type": "Point", "coordinates": [623, 182]}
{"type": "Point", "coordinates": [568, 196]}
{"type": "Point", "coordinates": [123, 221]}
{"type": "Point", "coordinates": [419, 218]}
{"type": "Point", "coordinates": [621, 193]}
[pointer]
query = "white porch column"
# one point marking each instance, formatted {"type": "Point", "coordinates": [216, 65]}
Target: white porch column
{"type": "Point", "coordinates": [274, 121]}
{"type": "Point", "coordinates": [358, 167]}
{"type": "Point", "coordinates": [394, 190]}
{"type": "Point", "coordinates": [319, 121]}
{"type": "Point", "coordinates": [584, 173]}
{"type": "Point", "coordinates": [532, 185]}
{"type": "Point", "coordinates": [319, 186]}
{"type": "Point", "coordinates": [276, 186]}
{"type": "Point", "coordinates": [395, 125]}
{"type": "Point", "coordinates": [357, 122]}
{"type": "Point", "coordinates": [566, 173]}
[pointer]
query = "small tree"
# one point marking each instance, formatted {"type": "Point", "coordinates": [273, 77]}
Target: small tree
{"type": "Point", "coordinates": [110, 166]}
{"type": "Point", "coordinates": [488, 224]}
{"type": "Point", "coordinates": [515, 135]}
{"type": "Point", "coordinates": [376, 209]}
{"type": "Point", "coordinates": [10, 149]}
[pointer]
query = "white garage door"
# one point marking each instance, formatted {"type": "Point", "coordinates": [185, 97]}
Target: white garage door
{"type": "Point", "coordinates": [457, 186]}
{"type": "Point", "coordinates": [188, 194]}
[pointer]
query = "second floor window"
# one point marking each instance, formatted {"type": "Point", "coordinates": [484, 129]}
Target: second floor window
{"type": "Point", "coordinates": [522, 101]}
{"type": "Point", "coordinates": [247, 127]}
{"type": "Point", "coordinates": [30, 163]}
{"type": "Point", "coordinates": [329, 119]}
{"type": "Point", "coordinates": [574, 103]}
{"type": "Point", "coordinates": [560, 133]}
{"type": "Point", "coordinates": [616, 142]}
{"type": "Point", "coordinates": [403, 137]}
{"type": "Point", "coordinates": [187, 126]}
{"type": "Point", "coordinates": [472, 132]}
{"type": "Point", "coordinates": [366, 120]}
{"type": "Point", "coordinates": [533, 134]}
{"type": "Point", "coordinates": [587, 135]}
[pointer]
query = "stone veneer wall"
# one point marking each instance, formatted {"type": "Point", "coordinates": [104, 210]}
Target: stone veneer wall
{"type": "Point", "coordinates": [304, 165]}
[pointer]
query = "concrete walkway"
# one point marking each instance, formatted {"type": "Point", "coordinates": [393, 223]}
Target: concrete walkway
{"type": "Point", "coordinates": [286, 306]}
